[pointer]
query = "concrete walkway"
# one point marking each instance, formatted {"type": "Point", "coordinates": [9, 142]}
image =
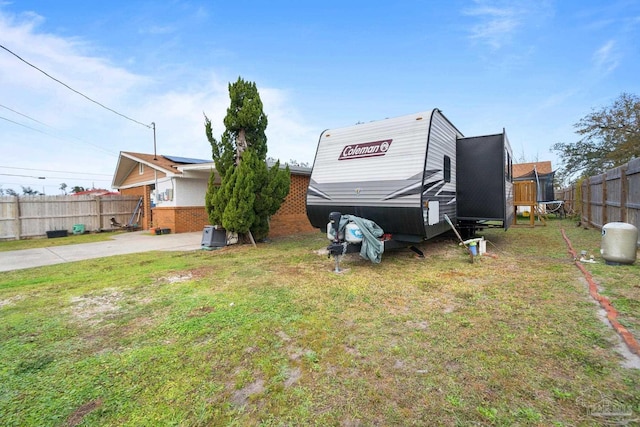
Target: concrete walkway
{"type": "Point", "coordinates": [125, 243]}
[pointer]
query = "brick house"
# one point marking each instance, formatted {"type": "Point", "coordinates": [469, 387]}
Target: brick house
{"type": "Point", "coordinates": [173, 190]}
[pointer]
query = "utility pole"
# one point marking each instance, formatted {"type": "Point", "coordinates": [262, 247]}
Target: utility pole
{"type": "Point", "coordinates": [153, 126]}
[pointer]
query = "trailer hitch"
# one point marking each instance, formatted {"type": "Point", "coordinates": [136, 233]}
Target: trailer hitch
{"type": "Point", "coordinates": [338, 247]}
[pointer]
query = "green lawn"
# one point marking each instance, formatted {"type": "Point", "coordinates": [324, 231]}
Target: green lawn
{"type": "Point", "coordinates": [71, 239]}
{"type": "Point", "coordinates": [270, 336]}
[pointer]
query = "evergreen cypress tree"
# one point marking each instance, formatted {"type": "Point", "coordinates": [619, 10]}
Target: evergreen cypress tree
{"type": "Point", "coordinates": [249, 192]}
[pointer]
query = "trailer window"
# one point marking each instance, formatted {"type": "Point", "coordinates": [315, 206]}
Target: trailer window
{"type": "Point", "coordinates": [447, 169]}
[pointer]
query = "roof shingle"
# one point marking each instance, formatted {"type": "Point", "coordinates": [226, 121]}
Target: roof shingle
{"type": "Point", "coordinates": [525, 169]}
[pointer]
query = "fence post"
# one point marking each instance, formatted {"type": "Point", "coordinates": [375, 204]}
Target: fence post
{"type": "Point", "coordinates": [604, 199]}
{"type": "Point", "coordinates": [588, 204]}
{"type": "Point", "coordinates": [624, 187]}
{"type": "Point", "coordinates": [98, 221]}
{"type": "Point", "coordinates": [17, 225]}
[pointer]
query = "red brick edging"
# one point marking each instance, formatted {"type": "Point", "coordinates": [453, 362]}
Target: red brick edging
{"type": "Point", "coordinates": [612, 313]}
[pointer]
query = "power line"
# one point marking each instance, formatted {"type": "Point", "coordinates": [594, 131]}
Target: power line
{"type": "Point", "coordinates": [49, 170]}
{"type": "Point", "coordinates": [23, 115]}
{"type": "Point", "coordinates": [55, 177]}
{"type": "Point", "coordinates": [24, 126]}
{"type": "Point", "coordinates": [23, 176]}
{"type": "Point", "coordinates": [73, 90]}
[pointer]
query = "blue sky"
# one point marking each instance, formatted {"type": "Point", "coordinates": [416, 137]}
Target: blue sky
{"type": "Point", "coordinates": [532, 67]}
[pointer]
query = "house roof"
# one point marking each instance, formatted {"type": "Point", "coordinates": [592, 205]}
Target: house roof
{"type": "Point", "coordinates": [127, 161]}
{"type": "Point", "coordinates": [521, 170]}
{"type": "Point", "coordinates": [172, 166]}
{"type": "Point", "coordinates": [166, 163]}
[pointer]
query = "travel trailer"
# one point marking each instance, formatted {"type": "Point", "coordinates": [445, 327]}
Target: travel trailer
{"type": "Point", "coordinates": [405, 175]}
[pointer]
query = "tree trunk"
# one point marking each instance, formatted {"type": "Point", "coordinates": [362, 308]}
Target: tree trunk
{"type": "Point", "coordinates": [241, 146]}
{"type": "Point", "coordinates": [253, 242]}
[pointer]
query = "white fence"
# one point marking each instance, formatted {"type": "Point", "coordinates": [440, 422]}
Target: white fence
{"type": "Point", "coordinates": [32, 216]}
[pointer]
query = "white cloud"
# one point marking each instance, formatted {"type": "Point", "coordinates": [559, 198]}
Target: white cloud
{"type": "Point", "coordinates": [80, 136]}
{"type": "Point", "coordinates": [606, 58]}
{"type": "Point", "coordinates": [156, 29]}
{"type": "Point", "coordinates": [499, 20]}
{"type": "Point", "coordinates": [289, 138]}
{"type": "Point", "coordinates": [496, 24]}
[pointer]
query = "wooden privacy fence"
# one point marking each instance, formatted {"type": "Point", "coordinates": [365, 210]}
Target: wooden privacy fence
{"type": "Point", "coordinates": [613, 196]}
{"type": "Point", "coordinates": [32, 216]}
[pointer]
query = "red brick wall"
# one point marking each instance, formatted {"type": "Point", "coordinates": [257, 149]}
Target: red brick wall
{"type": "Point", "coordinates": [180, 219]}
{"type": "Point", "coordinates": [291, 218]}
{"type": "Point", "coordinates": [295, 202]}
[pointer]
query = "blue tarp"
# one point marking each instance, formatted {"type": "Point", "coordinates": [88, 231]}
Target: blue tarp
{"type": "Point", "coordinates": [372, 248]}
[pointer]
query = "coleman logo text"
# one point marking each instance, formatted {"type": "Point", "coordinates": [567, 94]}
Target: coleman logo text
{"type": "Point", "coordinates": [367, 149]}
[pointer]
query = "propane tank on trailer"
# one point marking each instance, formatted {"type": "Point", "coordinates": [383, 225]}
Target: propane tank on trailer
{"type": "Point", "coordinates": [331, 234]}
{"type": "Point", "coordinates": [352, 233]}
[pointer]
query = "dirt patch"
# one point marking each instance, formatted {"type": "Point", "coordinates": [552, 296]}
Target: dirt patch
{"type": "Point", "coordinates": [201, 272]}
{"type": "Point", "coordinates": [176, 278]}
{"type": "Point", "coordinates": [241, 397]}
{"type": "Point", "coordinates": [350, 422]}
{"type": "Point", "coordinates": [10, 301]}
{"type": "Point", "coordinates": [321, 252]}
{"type": "Point", "coordinates": [201, 311]}
{"type": "Point", "coordinates": [79, 414]}
{"type": "Point", "coordinates": [352, 351]}
{"type": "Point", "coordinates": [283, 336]}
{"type": "Point", "coordinates": [293, 376]}
{"type": "Point", "coordinates": [93, 309]}
{"type": "Point", "coordinates": [424, 325]}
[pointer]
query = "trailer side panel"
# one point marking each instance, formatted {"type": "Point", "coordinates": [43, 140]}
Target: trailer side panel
{"type": "Point", "coordinates": [439, 182]}
{"type": "Point", "coordinates": [379, 171]}
{"type": "Point", "coordinates": [484, 179]}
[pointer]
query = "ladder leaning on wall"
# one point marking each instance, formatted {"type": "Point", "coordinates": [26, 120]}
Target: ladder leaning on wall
{"type": "Point", "coordinates": [136, 213]}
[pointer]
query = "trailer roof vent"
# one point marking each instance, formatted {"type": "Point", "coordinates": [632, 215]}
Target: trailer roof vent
{"type": "Point", "coordinates": [418, 118]}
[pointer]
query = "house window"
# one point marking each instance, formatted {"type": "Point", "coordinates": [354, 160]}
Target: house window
{"type": "Point", "coordinates": [140, 168]}
{"type": "Point", "coordinates": [447, 169]}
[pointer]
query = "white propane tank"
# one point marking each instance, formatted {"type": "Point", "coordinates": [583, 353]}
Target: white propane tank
{"type": "Point", "coordinates": [619, 243]}
{"type": "Point", "coordinates": [352, 233]}
{"type": "Point", "coordinates": [331, 235]}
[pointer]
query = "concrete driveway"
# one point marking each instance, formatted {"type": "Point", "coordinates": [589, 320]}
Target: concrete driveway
{"type": "Point", "coordinates": [125, 243]}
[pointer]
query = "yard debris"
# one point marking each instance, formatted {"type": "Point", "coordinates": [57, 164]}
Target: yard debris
{"type": "Point", "coordinates": [446, 217]}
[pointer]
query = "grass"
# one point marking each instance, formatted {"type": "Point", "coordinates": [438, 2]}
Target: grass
{"type": "Point", "coordinates": [271, 336]}
{"type": "Point", "coordinates": [71, 239]}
